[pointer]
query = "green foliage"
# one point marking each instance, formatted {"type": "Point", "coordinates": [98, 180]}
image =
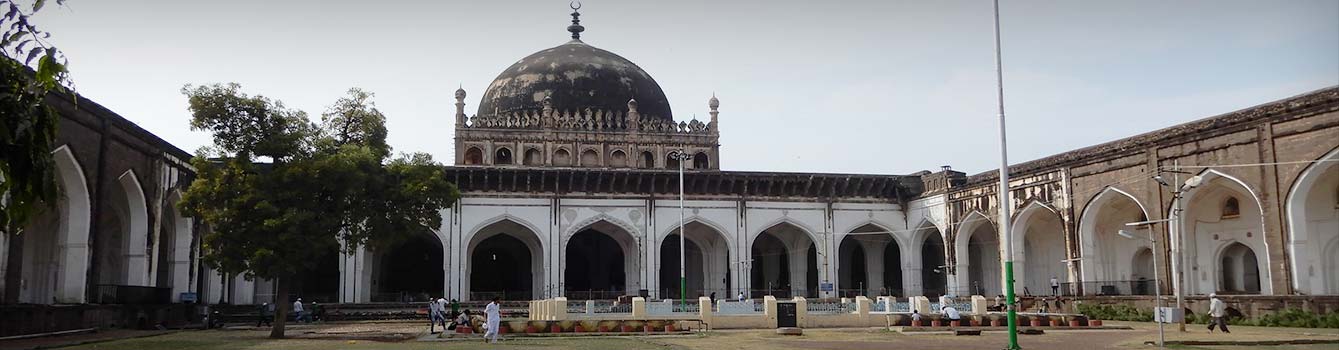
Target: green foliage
{"type": "Point", "coordinates": [1117, 312]}
{"type": "Point", "coordinates": [28, 129]}
{"type": "Point", "coordinates": [277, 191]}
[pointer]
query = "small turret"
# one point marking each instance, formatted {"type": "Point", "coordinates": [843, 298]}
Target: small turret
{"type": "Point", "coordinates": [714, 103]}
{"type": "Point", "coordinates": [460, 106]}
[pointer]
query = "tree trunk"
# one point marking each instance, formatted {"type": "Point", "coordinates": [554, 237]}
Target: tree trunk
{"type": "Point", "coordinates": [280, 310]}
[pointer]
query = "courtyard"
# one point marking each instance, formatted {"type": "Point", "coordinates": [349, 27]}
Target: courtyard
{"type": "Point", "coordinates": [360, 335]}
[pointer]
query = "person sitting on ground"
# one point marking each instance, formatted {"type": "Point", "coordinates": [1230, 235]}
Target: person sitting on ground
{"type": "Point", "coordinates": [463, 320]}
{"type": "Point", "coordinates": [915, 315]}
{"type": "Point", "coordinates": [950, 312]}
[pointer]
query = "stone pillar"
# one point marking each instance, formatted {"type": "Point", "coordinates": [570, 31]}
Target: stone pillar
{"type": "Point", "coordinates": [769, 310]}
{"type": "Point", "coordinates": [912, 284]}
{"type": "Point", "coordinates": [920, 303]}
{"type": "Point", "coordinates": [638, 308]}
{"type": "Point", "coordinates": [590, 307]}
{"type": "Point", "coordinates": [704, 309]}
{"type": "Point", "coordinates": [560, 308]}
{"type": "Point", "coordinates": [862, 306]}
{"type": "Point", "coordinates": [874, 260]}
{"type": "Point", "coordinates": [979, 305]}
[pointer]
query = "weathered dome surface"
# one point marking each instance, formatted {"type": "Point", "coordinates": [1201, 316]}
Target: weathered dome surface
{"type": "Point", "coordinates": [575, 76]}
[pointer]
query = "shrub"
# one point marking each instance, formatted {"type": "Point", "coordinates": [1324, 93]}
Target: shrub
{"type": "Point", "coordinates": [1118, 312]}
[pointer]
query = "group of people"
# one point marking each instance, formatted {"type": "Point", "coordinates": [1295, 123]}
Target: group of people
{"type": "Point", "coordinates": [265, 313]}
{"type": "Point", "coordinates": [440, 312]}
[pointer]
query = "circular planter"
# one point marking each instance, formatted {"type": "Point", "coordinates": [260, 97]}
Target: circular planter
{"type": "Point", "coordinates": [1073, 323]}
{"type": "Point", "coordinates": [503, 330]}
{"type": "Point", "coordinates": [1035, 322]}
{"type": "Point", "coordinates": [464, 330]}
{"type": "Point", "coordinates": [936, 323]}
{"type": "Point", "coordinates": [555, 329]}
{"type": "Point", "coordinates": [669, 328]}
{"type": "Point", "coordinates": [531, 329]}
{"type": "Point", "coordinates": [648, 328]}
{"type": "Point", "coordinates": [1094, 323]}
{"type": "Point", "coordinates": [604, 329]}
{"type": "Point", "coordinates": [955, 323]}
{"type": "Point", "coordinates": [995, 322]}
{"type": "Point", "coordinates": [916, 323]}
{"type": "Point", "coordinates": [975, 323]}
{"type": "Point", "coordinates": [626, 328]}
{"type": "Point", "coordinates": [1055, 323]}
{"type": "Point", "coordinates": [579, 329]}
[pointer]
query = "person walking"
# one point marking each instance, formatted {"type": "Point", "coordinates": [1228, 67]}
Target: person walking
{"type": "Point", "coordinates": [266, 313]}
{"type": "Point", "coordinates": [434, 314]}
{"type": "Point", "coordinates": [441, 310]}
{"type": "Point", "coordinates": [494, 316]}
{"type": "Point", "coordinates": [1217, 310]}
{"type": "Point", "coordinates": [297, 310]}
{"type": "Point", "coordinates": [1055, 286]}
{"type": "Point", "coordinates": [455, 307]}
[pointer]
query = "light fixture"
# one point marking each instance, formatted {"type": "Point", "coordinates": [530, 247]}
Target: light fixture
{"type": "Point", "coordinates": [1192, 182]}
{"type": "Point", "coordinates": [1126, 234]}
{"type": "Point", "coordinates": [1160, 180]}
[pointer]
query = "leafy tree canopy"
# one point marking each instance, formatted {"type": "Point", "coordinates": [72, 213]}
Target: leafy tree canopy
{"type": "Point", "coordinates": [28, 126]}
{"type": "Point", "coordinates": [277, 190]}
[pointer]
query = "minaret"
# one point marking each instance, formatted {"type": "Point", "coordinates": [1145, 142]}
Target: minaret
{"type": "Point", "coordinates": [634, 119]}
{"type": "Point", "coordinates": [460, 107]}
{"type": "Point", "coordinates": [713, 103]}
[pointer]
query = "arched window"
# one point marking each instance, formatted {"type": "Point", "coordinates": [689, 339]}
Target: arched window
{"type": "Point", "coordinates": [671, 163]}
{"type": "Point", "coordinates": [618, 159]}
{"type": "Point", "coordinates": [700, 161]}
{"type": "Point", "coordinates": [1231, 209]}
{"type": "Point", "coordinates": [562, 158]}
{"type": "Point", "coordinates": [533, 157]}
{"type": "Point", "coordinates": [649, 160]}
{"type": "Point", "coordinates": [502, 157]}
{"type": "Point", "coordinates": [474, 156]}
{"type": "Point", "coordinates": [590, 159]}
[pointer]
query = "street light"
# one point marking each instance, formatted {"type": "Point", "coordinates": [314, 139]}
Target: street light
{"type": "Point", "coordinates": [1004, 192]}
{"type": "Point", "coordinates": [681, 156]}
{"type": "Point", "coordinates": [1178, 189]}
{"type": "Point", "coordinates": [1157, 287]}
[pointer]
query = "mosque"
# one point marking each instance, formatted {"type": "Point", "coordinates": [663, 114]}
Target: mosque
{"type": "Point", "coordinates": [570, 182]}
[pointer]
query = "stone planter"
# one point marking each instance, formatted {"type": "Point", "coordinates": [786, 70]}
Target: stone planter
{"type": "Point", "coordinates": [995, 322]}
{"type": "Point", "coordinates": [579, 329]}
{"type": "Point", "coordinates": [464, 330]}
{"type": "Point", "coordinates": [1035, 322]}
{"type": "Point", "coordinates": [555, 329]}
{"type": "Point", "coordinates": [1055, 323]}
{"type": "Point", "coordinates": [975, 322]}
{"type": "Point", "coordinates": [531, 329]}
{"type": "Point", "coordinates": [936, 323]}
{"type": "Point", "coordinates": [503, 330]}
{"type": "Point", "coordinates": [604, 329]}
{"type": "Point", "coordinates": [626, 329]}
{"type": "Point", "coordinates": [648, 328]}
{"type": "Point", "coordinates": [1073, 323]}
{"type": "Point", "coordinates": [916, 323]}
{"type": "Point", "coordinates": [669, 328]}
{"type": "Point", "coordinates": [1094, 323]}
{"type": "Point", "coordinates": [955, 323]}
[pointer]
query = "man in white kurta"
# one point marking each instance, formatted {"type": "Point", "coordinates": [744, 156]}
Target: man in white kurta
{"type": "Point", "coordinates": [494, 317]}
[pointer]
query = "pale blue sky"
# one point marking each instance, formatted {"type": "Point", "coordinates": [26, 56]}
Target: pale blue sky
{"type": "Point", "coordinates": [810, 86]}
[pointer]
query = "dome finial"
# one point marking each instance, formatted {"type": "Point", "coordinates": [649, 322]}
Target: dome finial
{"type": "Point", "coordinates": [576, 27]}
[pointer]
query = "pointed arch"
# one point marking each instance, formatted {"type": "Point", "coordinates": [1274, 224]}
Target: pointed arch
{"type": "Point", "coordinates": [1102, 252]}
{"type": "Point", "coordinates": [179, 257]}
{"type": "Point", "coordinates": [1039, 248]}
{"type": "Point", "coordinates": [137, 234]}
{"type": "Point", "coordinates": [784, 259]}
{"type": "Point", "coordinates": [533, 157]}
{"type": "Point", "coordinates": [55, 250]}
{"type": "Point", "coordinates": [977, 256]}
{"type": "Point", "coordinates": [474, 156]}
{"type": "Point", "coordinates": [707, 250]}
{"type": "Point", "coordinates": [1312, 210]}
{"type": "Point", "coordinates": [593, 252]}
{"type": "Point", "coordinates": [522, 265]}
{"type": "Point", "coordinates": [1203, 226]}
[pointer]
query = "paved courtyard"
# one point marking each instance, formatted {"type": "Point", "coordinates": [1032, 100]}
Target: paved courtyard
{"type": "Point", "coordinates": [382, 335]}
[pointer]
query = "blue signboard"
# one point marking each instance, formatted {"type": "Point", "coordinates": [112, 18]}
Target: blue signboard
{"type": "Point", "coordinates": [825, 286]}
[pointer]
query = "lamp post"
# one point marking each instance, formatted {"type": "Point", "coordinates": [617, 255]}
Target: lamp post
{"type": "Point", "coordinates": [1178, 189]}
{"type": "Point", "coordinates": [1157, 286]}
{"type": "Point", "coordinates": [681, 156]}
{"type": "Point", "coordinates": [1004, 194]}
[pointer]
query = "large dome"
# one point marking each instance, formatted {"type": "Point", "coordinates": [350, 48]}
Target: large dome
{"type": "Point", "coordinates": [575, 76]}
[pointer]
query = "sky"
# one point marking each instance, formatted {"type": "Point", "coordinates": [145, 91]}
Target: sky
{"type": "Point", "coordinates": [880, 87]}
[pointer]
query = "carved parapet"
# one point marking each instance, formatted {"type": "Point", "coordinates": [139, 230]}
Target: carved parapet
{"type": "Point", "coordinates": [586, 120]}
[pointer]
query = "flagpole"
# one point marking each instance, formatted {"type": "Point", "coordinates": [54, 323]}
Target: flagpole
{"type": "Point", "coordinates": [1004, 203]}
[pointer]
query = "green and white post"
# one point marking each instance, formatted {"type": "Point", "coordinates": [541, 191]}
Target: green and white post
{"type": "Point", "coordinates": [1004, 203]}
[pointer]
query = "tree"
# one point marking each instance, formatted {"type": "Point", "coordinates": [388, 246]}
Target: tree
{"type": "Point", "coordinates": [28, 129]}
{"type": "Point", "coordinates": [277, 189]}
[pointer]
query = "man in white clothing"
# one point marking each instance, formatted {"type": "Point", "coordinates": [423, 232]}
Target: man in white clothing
{"type": "Point", "coordinates": [1217, 310]}
{"type": "Point", "coordinates": [494, 317]}
{"type": "Point", "coordinates": [951, 313]}
{"type": "Point", "coordinates": [434, 314]}
{"type": "Point", "coordinates": [1055, 286]}
{"type": "Point", "coordinates": [741, 296]}
{"type": "Point", "coordinates": [297, 310]}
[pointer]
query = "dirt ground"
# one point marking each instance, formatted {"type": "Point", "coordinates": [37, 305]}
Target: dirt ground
{"type": "Point", "coordinates": [389, 335]}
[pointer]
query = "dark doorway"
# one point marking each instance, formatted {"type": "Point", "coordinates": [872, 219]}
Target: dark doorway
{"type": "Point", "coordinates": [892, 269]}
{"type": "Point", "coordinates": [595, 266]}
{"type": "Point", "coordinates": [319, 284]}
{"type": "Point", "coordinates": [500, 265]}
{"type": "Point", "coordinates": [770, 272]}
{"type": "Point", "coordinates": [933, 276]}
{"type": "Point", "coordinates": [413, 270]}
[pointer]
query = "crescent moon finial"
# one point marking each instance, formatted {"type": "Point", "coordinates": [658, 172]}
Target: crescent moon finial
{"type": "Point", "coordinates": [575, 5]}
